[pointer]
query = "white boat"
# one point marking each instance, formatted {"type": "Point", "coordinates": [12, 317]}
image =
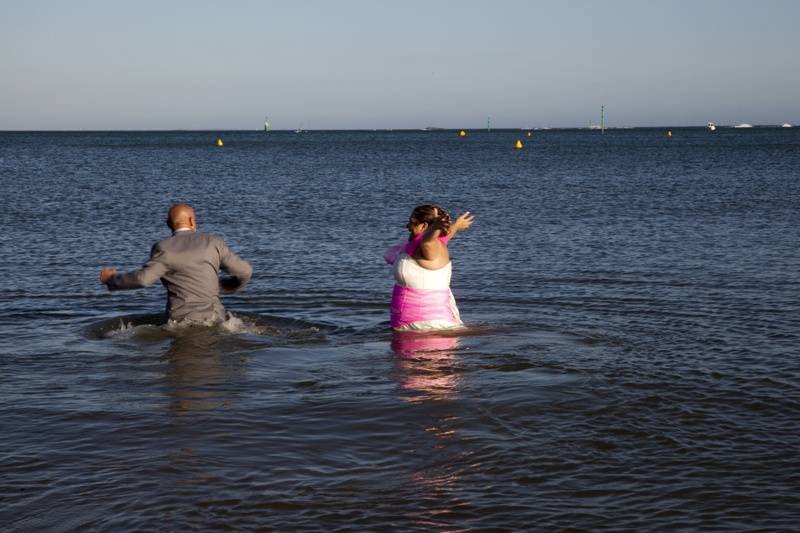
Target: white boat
{"type": "Point", "coordinates": [786, 125]}
{"type": "Point", "coordinates": [266, 126]}
{"type": "Point", "coordinates": [743, 125]}
{"type": "Point", "coordinates": [711, 126]}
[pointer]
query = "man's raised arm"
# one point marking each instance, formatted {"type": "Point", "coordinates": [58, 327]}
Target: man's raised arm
{"type": "Point", "coordinates": [144, 277]}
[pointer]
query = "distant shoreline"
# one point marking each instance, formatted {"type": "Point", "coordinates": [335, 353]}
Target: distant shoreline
{"type": "Point", "coordinates": [385, 130]}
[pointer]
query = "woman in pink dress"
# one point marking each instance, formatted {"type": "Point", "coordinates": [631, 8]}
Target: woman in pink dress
{"type": "Point", "coordinates": [422, 299]}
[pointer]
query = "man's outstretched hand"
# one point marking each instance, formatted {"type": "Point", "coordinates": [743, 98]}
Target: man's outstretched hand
{"type": "Point", "coordinates": [106, 273]}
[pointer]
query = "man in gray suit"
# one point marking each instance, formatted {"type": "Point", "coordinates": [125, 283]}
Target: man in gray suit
{"type": "Point", "coordinates": [188, 264]}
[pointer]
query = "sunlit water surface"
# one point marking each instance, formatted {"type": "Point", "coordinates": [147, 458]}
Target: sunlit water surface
{"type": "Point", "coordinates": [630, 359]}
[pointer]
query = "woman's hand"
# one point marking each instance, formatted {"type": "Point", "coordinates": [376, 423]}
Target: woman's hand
{"type": "Point", "coordinates": [464, 221]}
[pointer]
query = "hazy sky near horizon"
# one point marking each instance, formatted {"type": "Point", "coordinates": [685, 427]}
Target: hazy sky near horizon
{"type": "Point", "coordinates": [365, 64]}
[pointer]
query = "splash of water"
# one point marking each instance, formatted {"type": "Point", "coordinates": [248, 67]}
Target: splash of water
{"type": "Point", "coordinates": [152, 327]}
{"type": "Point", "coordinates": [131, 329]}
{"type": "Point", "coordinates": [232, 325]}
{"type": "Point", "coordinates": [124, 331]}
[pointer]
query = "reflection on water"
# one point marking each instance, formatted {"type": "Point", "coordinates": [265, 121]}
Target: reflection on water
{"type": "Point", "coordinates": [204, 362]}
{"type": "Point", "coordinates": [426, 364]}
{"type": "Point", "coordinates": [200, 374]}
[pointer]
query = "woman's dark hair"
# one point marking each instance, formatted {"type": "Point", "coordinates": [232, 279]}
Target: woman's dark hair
{"type": "Point", "coordinates": [430, 213]}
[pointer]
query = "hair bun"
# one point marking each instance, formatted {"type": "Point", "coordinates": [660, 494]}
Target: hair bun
{"type": "Point", "coordinates": [430, 213]}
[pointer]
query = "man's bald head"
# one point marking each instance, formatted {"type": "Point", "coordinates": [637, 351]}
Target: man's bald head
{"type": "Point", "coordinates": [181, 216]}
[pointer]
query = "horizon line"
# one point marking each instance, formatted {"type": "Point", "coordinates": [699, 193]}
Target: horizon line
{"type": "Point", "coordinates": [429, 129]}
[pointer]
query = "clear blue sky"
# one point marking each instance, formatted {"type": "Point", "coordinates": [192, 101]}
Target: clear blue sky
{"type": "Point", "coordinates": [407, 64]}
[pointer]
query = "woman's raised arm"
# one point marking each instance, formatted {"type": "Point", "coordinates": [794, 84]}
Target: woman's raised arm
{"type": "Point", "coordinates": [463, 222]}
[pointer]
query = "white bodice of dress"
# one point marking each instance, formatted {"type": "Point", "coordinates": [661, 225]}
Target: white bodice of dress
{"type": "Point", "coordinates": [408, 273]}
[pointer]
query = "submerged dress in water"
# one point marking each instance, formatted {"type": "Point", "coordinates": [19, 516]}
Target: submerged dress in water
{"type": "Point", "coordinates": [421, 299]}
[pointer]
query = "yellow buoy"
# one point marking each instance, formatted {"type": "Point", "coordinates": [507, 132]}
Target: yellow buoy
{"type": "Point", "coordinates": [669, 133]}
{"type": "Point", "coordinates": [518, 145]}
{"type": "Point", "coordinates": [220, 143]}
{"type": "Point", "coordinates": [462, 133]}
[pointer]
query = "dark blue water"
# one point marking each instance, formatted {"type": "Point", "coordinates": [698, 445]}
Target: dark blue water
{"type": "Point", "coordinates": [631, 360]}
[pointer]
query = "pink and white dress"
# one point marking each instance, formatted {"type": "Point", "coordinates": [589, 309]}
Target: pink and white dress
{"type": "Point", "coordinates": [421, 299]}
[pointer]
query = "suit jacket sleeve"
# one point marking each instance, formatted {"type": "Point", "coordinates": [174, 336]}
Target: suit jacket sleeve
{"type": "Point", "coordinates": [238, 268]}
{"type": "Point", "coordinates": [151, 272]}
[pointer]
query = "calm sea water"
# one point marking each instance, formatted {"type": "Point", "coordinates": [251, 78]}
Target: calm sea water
{"type": "Point", "coordinates": [631, 360]}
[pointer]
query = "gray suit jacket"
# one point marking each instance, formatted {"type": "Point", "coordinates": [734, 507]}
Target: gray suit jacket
{"type": "Point", "coordinates": [188, 265]}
